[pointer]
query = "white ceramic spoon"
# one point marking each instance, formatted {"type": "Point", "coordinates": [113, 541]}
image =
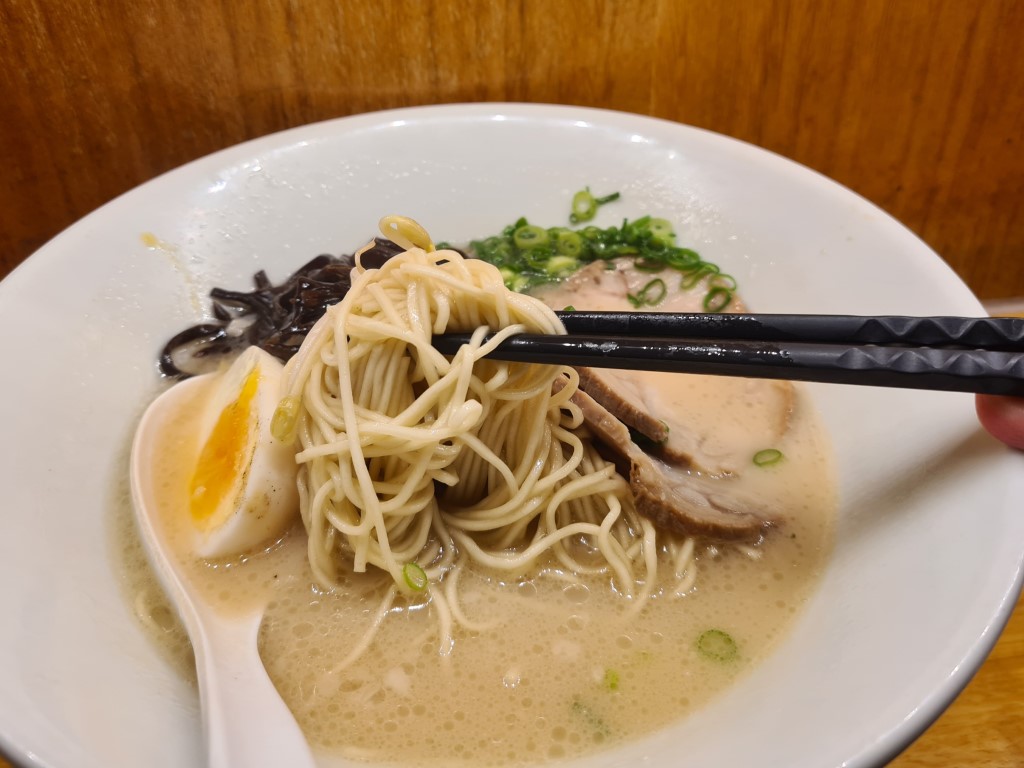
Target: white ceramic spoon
{"type": "Point", "coordinates": [246, 724]}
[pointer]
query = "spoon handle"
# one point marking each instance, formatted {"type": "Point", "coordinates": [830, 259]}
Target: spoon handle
{"type": "Point", "coordinates": [247, 724]}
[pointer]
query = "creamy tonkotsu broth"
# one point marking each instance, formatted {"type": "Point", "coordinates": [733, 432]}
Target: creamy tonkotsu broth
{"type": "Point", "coordinates": [552, 669]}
{"type": "Point", "coordinates": [535, 662]}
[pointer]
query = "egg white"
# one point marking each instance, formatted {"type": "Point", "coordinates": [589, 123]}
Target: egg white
{"type": "Point", "coordinates": [259, 498]}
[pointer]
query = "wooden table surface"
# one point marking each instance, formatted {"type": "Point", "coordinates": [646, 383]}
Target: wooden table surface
{"type": "Point", "coordinates": [917, 105]}
{"type": "Point", "coordinates": [985, 724]}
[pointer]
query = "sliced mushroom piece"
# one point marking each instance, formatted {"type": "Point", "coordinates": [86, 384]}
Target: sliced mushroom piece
{"type": "Point", "coordinates": [670, 496]}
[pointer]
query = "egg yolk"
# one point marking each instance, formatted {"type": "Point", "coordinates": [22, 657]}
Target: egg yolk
{"type": "Point", "coordinates": [221, 461]}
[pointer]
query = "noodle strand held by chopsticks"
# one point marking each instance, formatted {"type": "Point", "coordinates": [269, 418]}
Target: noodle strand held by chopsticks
{"type": "Point", "coordinates": [406, 456]}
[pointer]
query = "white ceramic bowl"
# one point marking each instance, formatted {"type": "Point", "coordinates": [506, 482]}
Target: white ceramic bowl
{"type": "Point", "coordinates": [929, 543]}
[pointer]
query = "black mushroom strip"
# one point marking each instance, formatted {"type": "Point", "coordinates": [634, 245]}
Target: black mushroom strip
{"type": "Point", "coordinates": [275, 318]}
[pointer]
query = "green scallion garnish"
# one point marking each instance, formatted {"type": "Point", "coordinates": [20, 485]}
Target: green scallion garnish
{"type": "Point", "coordinates": [647, 264]}
{"type": "Point", "coordinates": [561, 265]}
{"type": "Point", "coordinates": [653, 293]}
{"type": "Point", "coordinates": [285, 419]}
{"type": "Point", "coordinates": [585, 205]}
{"type": "Point", "coordinates": [661, 231]}
{"type": "Point", "coordinates": [415, 577]}
{"type": "Point", "coordinates": [611, 680]}
{"type": "Point", "coordinates": [717, 645]}
{"type": "Point", "coordinates": [697, 273]}
{"type": "Point", "coordinates": [529, 236]}
{"type": "Point", "coordinates": [767, 457]}
{"type": "Point", "coordinates": [683, 259]}
{"type": "Point", "coordinates": [528, 255]}
{"type": "Point", "coordinates": [650, 295]}
{"type": "Point", "coordinates": [723, 280]}
{"type": "Point", "coordinates": [717, 299]}
{"type": "Point", "coordinates": [568, 243]}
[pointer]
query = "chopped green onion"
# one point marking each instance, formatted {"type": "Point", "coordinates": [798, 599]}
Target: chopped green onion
{"type": "Point", "coordinates": [650, 295]}
{"type": "Point", "coordinates": [585, 205]}
{"type": "Point", "coordinates": [683, 259]}
{"type": "Point", "coordinates": [649, 264]}
{"type": "Point", "coordinates": [537, 258]}
{"type": "Point", "coordinates": [569, 308]}
{"type": "Point", "coordinates": [717, 645]}
{"type": "Point", "coordinates": [697, 274]}
{"type": "Point", "coordinates": [558, 265]}
{"type": "Point", "coordinates": [717, 299]}
{"type": "Point", "coordinates": [415, 577]}
{"type": "Point", "coordinates": [611, 680]}
{"type": "Point", "coordinates": [723, 280]}
{"type": "Point", "coordinates": [661, 231]}
{"type": "Point", "coordinates": [529, 255]}
{"type": "Point", "coordinates": [285, 419]}
{"type": "Point", "coordinates": [568, 243]}
{"type": "Point", "coordinates": [529, 236]}
{"type": "Point", "coordinates": [520, 284]}
{"type": "Point", "coordinates": [767, 457]}
{"type": "Point", "coordinates": [691, 279]}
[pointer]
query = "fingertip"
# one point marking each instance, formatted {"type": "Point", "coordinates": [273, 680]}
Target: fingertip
{"type": "Point", "coordinates": [1002, 417]}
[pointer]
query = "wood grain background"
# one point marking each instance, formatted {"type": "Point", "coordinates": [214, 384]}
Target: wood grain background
{"type": "Point", "coordinates": [915, 104]}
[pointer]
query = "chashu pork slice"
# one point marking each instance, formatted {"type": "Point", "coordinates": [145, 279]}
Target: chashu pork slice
{"type": "Point", "coordinates": [670, 496]}
{"type": "Point", "coordinates": [714, 424]}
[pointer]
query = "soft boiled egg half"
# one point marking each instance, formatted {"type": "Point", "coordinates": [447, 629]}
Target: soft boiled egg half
{"type": "Point", "coordinates": [242, 493]}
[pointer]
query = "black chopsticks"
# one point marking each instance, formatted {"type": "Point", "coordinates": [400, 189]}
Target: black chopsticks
{"type": "Point", "coordinates": [939, 353]}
